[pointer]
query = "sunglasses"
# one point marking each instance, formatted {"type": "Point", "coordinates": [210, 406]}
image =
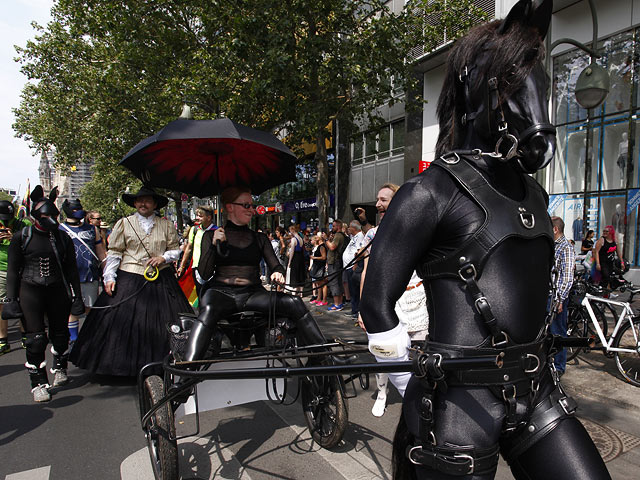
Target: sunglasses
{"type": "Point", "coordinates": [96, 218]}
{"type": "Point", "coordinates": [246, 206]}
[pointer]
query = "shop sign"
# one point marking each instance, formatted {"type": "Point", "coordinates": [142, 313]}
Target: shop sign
{"type": "Point", "coordinates": [260, 210]}
{"type": "Point", "coordinates": [554, 202]}
{"type": "Point", "coordinates": [423, 165]}
{"type": "Point", "coordinates": [304, 204]}
{"type": "Point", "coordinates": [634, 200]}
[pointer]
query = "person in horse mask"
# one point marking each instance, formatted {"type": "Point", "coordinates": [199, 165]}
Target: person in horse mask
{"type": "Point", "coordinates": [90, 253]}
{"type": "Point", "coordinates": [475, 226]}
{"type": "Point", "coordinates": [230, 259]}
{"type": "Point", "coordinates": [43, 280]}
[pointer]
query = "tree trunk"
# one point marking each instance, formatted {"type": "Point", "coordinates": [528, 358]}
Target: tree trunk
{"type": "Point", "coordinates": [323, 179]}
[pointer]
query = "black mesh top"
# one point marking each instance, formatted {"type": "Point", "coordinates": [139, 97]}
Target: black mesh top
{"type": "Point", "coordinates": [241, 255]}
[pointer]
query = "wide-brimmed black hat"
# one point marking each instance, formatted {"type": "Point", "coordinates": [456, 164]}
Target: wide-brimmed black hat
{"type": "Point", "coordinates": [161, 200]}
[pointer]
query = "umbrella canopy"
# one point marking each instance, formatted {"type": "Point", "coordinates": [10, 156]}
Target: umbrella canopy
{"type": "Point", "coordinates": [203, 157]}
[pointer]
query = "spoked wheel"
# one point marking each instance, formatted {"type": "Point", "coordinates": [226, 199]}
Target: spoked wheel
{"type": "Point", "coordinates": [160, 432]}
{"type": "Point", "coordinates": [579, 325]}
{"type": "Point", "coordinates": [324, 409]}
{"type": "Point", "coordinates": [628, 363]}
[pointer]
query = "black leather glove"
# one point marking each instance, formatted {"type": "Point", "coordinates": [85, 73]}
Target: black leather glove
{"type": "Point", "coordinates": [77, 307]}
{"type": "Point", "coordinates": [12, 310]}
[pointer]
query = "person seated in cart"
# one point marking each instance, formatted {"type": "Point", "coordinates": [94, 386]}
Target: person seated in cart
{"type": "Point", "coordinates": [233, 277]}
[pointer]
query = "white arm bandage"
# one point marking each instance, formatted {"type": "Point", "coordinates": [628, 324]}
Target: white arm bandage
{"type": "Point", "coordinates": [171, 255]}
{"type": "Point", "coordinates": [112, 263]}
{"type": "Point", "coordinates": [392, 346]}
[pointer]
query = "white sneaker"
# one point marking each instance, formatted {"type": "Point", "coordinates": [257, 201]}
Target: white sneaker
{"type": "Point", "coordinates": [379, 407]}
{"type": "Point", "coordinates": [60, 378]}
{"type": "Point", "coordinates": [41, 393]}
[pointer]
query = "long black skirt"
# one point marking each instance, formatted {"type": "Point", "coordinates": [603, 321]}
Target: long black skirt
{"type": "Point", "coordinates": [122, 339]}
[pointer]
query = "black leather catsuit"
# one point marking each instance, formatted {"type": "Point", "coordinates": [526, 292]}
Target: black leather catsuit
{"type": "Point", "coordinates": [35, 277]}
{"type": "Point", "coordinates": [234, 285]}
{"type": "Point", "coordinates": [431, 217]}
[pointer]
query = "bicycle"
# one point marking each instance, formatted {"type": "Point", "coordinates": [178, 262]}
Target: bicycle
{"type": "Point", "coordinates": [589, 320]}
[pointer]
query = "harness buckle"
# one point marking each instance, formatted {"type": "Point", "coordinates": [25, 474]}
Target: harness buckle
{"type": "Point", "coordinates": [514, 144]}
{"type": "Point", "coordinates": [464, 456]}
{"type": "Point", "coordinates": [410, 457]}
{"type": "Point", "coordinates": [463, 75]}
{"type": "Point", "coordinates": [463, 120]}
{"type": "Point", "coordinates": [451, 158]}
{"type": "Point", "coordinates": [568, 404]}
{"type": "Point", "coordinates": [467, 272]}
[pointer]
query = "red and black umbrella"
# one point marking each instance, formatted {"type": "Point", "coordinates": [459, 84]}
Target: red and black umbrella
{"type": "Point", "coordinates": [203, 157]}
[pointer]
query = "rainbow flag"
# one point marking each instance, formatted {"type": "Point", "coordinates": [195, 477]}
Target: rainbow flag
{"type": "Point", "coordinates": [188, 286]}
{"type": "Point", "coordinates": [25, 209]}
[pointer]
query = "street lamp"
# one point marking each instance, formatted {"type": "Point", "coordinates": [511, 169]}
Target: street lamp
{"type": "Point", "coordinates": [592, 86]}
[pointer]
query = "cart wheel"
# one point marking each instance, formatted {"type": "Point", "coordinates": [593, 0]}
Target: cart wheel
{"type": "Point", "coordinates": [160, 432]}
{"type": "Point", "coordinates": [364, 381]}
{"type": "Point", "coordinates": [324, 409]}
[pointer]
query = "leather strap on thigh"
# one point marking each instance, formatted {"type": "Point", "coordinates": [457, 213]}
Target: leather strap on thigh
{"type": "Point", "coordinates": [456, 460]}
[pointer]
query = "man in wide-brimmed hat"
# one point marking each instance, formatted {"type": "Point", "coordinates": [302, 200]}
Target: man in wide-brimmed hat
{"type": "Point", "coordinates": [121, 339]}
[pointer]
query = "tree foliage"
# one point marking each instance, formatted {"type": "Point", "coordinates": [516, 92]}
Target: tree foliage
{"type": "Point", "coordinates": [104, 74]}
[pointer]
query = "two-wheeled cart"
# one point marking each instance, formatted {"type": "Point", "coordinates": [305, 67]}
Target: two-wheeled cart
{"type": "Point", "coordinates": [325, 377]}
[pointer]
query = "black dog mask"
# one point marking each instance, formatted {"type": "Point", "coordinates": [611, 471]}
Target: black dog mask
{"type": "Point", "coordinates": [44, 210]}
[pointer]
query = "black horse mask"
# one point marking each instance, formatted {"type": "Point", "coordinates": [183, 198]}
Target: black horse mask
{"type": "Point", "coordinates": [44, 210]}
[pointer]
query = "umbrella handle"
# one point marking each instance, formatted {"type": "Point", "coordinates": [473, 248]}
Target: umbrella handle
{"type": "Point", "coordinates": [218, 245]}
{"type": "Point", "coordinates": [151, 275]}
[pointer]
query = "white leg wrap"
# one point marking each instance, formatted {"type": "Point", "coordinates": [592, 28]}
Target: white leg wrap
{"type": "Point", "coordinates": [392, 346]}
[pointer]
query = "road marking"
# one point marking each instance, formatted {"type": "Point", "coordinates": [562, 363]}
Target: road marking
{"type": "Point", "coordinates": [41, 473]}
{"type": "Point", "coordinates": [351, 464]}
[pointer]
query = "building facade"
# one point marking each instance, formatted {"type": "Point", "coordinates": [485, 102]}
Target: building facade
{"type": "Point", "coordinates": [594, 179]}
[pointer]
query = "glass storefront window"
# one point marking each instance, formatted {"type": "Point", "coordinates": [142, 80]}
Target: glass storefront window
{"type": "Point", "coordinates": [613, 212]}
{"type": "Point", "coordinates": [397, 137]}
{"type": "Point", "coordinates": [356, 146]}
{"type": "Point", "coordinates": [567, 67]}
{"type": "Point", "coordinates": [615, 150]}
{"type": "Point", "coordinates": [618, 57]}
{"type": "Point", "coordinates": [384, 142]}
{"type": "Point", "coordinates": [370, 146]}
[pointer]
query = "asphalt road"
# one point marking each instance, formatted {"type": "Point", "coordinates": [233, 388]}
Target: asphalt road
{"type": "Point", "coordinates": [91, 429]}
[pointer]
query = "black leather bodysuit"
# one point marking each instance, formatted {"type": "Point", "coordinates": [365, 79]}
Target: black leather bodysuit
{"type": "Point", "coordinates": [234, 285]}
{"type": "Point", "coordinates": [431, 218]}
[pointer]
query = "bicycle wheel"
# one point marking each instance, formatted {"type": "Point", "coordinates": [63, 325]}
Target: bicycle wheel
{"type": "Point", "coordinates": [577, 325]}
{"type": "Point", "coordinates": [628, 363]}
{"type": "Point", "coordinates": [160, 432]}
{"type": "Point", "coordinates": [325, 409]}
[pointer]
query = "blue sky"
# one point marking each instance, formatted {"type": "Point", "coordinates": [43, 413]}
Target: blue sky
{"type": "Point", "coordinates": [17, 162]}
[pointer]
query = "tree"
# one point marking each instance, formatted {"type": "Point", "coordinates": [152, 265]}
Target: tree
{"type": "Point", "coordinates": [104, 74]}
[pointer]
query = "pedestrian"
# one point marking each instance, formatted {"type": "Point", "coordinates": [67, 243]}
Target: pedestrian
{"type": "Point", "coordinates": [605, 252]}
{"type": "Point", "coordinates": [336, 243]}
{"type": "Point", "coordinates": [90, 253]}
{"type": "Point", "coordinates": [43, 281]}
{"type": "Point", "coordinates": [296, 271]}
{"type": "Point", "coordinates": [9, 225]}
{"type": "Point", "coordinates": [356, 239]}
{"type": "Point", "coordinates": [564, 267]}
{"type": "Point", "coordinates": [587, 243]}
{"type": "Point", "coordinates": [204, 222]}
{"type": "Point", "coordinates": [317, 271]}
{"type": "Point", "coordinates": [127, 328]}
{"type": "Point", "coordinates": [93, 217]}
{"type": "Point", "coordinates": [411, 307]}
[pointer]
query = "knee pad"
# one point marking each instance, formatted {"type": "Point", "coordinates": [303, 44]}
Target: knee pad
{"type": "Point", "coordinates": [36, 344]}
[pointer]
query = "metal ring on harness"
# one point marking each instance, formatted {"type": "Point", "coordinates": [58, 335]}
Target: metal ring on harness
{"type": "Point", "coordinates": [151, 276]}
{"type": "Point", "coordinates": [512, 150]}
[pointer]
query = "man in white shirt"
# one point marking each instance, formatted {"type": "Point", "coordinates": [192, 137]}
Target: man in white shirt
{"type": "Point", "coordinates": [355, 244]}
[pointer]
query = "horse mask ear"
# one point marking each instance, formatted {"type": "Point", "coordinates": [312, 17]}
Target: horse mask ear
{"type": "Point", "coordinates": [37, 193]}
{"type": "Point", "coordinates": [533, 13]}
{"type": "Point", "coordinates": [54, 194]}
